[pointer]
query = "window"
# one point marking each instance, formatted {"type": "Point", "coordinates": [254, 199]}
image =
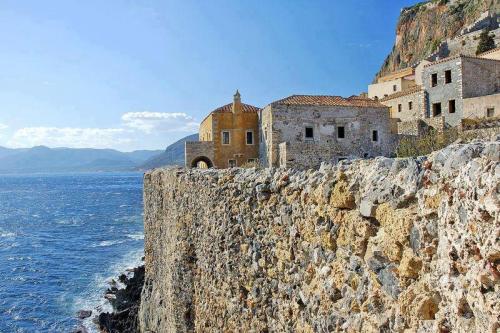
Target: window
{"type": "Point", "coordinates": [490, 112]}
{"type": "Point", "coordinates": [436, 109]}
{"type": "Point", "coordinates": [249, 137]}
{"type": "Point", "coordinates": [340, 132]}
{"type": "Point", "coordinates": [394, 88]}
{"type": "Point", "coordinates": [451, 106]}
{"type": "Point", "coordinates": [434, 79]}
{"type": "Point", "coordinates": [447, 76]}
{"type": "Point", "coordinates": [375, 136]}
{"type": "Point", "coordinates": [410, 105]}
{"type": "Point", "coordinates": [225, 137]}
{"type": "Point", "coordinates": [309, 133]}
{"type": "Point", "coordinates": [251, 160]}
{"type": "Point", "coordinates": [400, 107]}
{"type": "Point", "coordinates": [232, 163]}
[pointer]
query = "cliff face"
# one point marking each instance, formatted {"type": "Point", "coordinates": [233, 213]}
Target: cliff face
{"type": "Point", "coordinates": [364, 246]}
{"type": "Point", "coordinates": [423, 27]}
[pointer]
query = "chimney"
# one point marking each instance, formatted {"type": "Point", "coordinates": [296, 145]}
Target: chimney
{"type": "Point", "coordinates": [237, 102]}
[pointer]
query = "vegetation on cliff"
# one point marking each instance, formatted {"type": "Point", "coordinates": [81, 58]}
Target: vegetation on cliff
{"type": "Point", "coordinates": [422, 27]}
{"type": "Point", "coordinates": [486, 42]}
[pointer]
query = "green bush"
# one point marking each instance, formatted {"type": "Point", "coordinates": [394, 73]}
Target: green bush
{"type": "Point", "coordinates": [427, 143]}
{"type": "Point", "coordinates": [486, 42]}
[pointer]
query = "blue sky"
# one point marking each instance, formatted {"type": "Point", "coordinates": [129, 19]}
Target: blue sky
{"type": "Point", "coordinates": [140, 74]}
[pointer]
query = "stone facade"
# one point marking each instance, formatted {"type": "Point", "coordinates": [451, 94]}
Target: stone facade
{"type": "Point", "coordinates": [381, 245]}
{"type": "Point", "coordinates": [467, 77]}
{"type": "Point", "coordinates": [229, 137]}
{"type": "Point", "coordinates": [365, 125]}
{"type": "Point", "coordinates": [407, 105]}
{"type": "Point", "coordinates": [482, 107]}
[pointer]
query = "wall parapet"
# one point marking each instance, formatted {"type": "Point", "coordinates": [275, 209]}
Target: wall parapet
{"type": "Point", "coordinates": [198, 151]}
{"type": "Point", "coordinates": [365, 245]}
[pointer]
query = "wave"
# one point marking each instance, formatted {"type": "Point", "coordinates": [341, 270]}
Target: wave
{"type": "Point", "coordinates": [108, 243]}
{"type": "Point", "coordinates": [7, 234]}
{"type": "Point", "coordinates": [138, 236]}
{"type": "Point", "coordinates": [92, 299]}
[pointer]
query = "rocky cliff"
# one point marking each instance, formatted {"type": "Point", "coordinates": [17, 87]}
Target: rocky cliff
{"type": "Point", "coordinates": [381, 245]}
{"type": "Point", "coordinates": [440, 27]}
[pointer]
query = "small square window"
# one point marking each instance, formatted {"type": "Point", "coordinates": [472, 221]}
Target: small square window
{"type": "Point", "coordinates": [309, 133]}
{"type": "Point", "coordinates": [394, 88]}
{"type": "Point", "coordinates": [251, 160]}
{"type": "Point", "coordinates": [249, 137]}
{"type": "Point", "coordinates": [410, 105]}
{"type": "Point", "coordinates": [400, 107]}
{"type": "Point", "coordinates": [447, 76]}
{"type": "Point", "coordinates": [434, 79]}
{"type": "Point", "coordinates": [232, 163]}
{"type": "Point", "coordinates": [490, 112]}
{"type": "Point", "coordinates": [375, 136]}
{"type": "Point", "coordinates": [340, 132]}
{"type": "Point", "coordinates": [225, 137]}
{"type": "Point", "coordinates": [451, 106]}
{"type": "Point", "coordinates": [436, 109]}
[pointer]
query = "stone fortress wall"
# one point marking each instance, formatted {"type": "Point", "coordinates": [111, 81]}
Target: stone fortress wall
{"type": "Point", "coordinates": [380, 245]}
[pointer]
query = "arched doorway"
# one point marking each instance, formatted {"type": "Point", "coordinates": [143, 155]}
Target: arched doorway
{"type": "Point", "coordinates": [202, 162]}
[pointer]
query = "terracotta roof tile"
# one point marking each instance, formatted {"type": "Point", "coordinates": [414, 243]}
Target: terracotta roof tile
{"type": "Point", "coordinates": [229, 108]}
{"type": "Point", "coordinates": [456, 57]}
{"type": "Point", "coordinates": [353, 101]}
{"type": "Point", "coordinates": [490, 51]}
{"type": "Point", "coordinates": [402, 93]}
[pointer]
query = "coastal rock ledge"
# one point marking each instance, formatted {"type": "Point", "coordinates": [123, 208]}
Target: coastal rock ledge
{"type": "Point", "coordinates": [380, 245]}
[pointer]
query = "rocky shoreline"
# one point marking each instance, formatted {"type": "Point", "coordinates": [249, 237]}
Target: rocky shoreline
{"type": "Point", "coordinates": [125, 303]}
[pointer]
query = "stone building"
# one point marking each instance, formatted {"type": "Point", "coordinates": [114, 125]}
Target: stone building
{"type": "Point", "coordinates": [302, 131]}
{"type": "Point", "coordinates": [453, 89]}
{"type": "Point", "coordinates": [450, 81]}
{"type": "Point", "coordinates": [392, 83]}
{"type": "Point", "coordinates": [228, 137]}
{"type": "Point", "coordinates": [407, 109]}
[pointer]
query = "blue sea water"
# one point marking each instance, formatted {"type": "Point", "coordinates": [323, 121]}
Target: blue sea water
{"type": "Point", "coordinates": [62, 238]}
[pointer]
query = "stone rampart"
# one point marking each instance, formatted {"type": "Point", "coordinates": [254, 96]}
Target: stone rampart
{"type": "Point", "coordinates": [380, 245]}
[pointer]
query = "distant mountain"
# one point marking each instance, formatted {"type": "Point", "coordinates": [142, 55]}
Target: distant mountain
{"type": "Point", "coordinates": [173, 155]}
{"type": "Point", "coordinates": [49, 160]}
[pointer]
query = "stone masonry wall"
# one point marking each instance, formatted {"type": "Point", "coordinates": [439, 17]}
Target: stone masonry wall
{"type": "Point", "coordinates": [417, 111]}
{"type": "Point", "coordinates": [282, 123]}
{"type": "Point", "coordinates": [381, 245]}
{"type": "Point", "coordinates": [445, 92]}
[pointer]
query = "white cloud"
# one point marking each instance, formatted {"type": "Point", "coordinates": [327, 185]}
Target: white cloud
{"type": "Point", "coordinates": [150, 122]}
{"type": "Point", "coordinates": [68, 137]}
{"type": "Point", "coordinates": [3, 126]}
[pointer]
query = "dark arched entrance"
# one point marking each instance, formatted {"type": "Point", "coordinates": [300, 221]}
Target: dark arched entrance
{"type": "Point", "coordinates": [202, 162]}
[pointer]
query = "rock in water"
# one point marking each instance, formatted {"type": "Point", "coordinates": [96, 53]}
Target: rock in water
{"type": "Point", "coordinates": [82, 314]}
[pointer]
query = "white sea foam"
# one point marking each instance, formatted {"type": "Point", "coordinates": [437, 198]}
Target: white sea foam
{"type": "Point", "coordinates": [7, 234]}
{"type": "Point", "coordinates": [93, 298]}
{"type": "Point", "coordinates": [108, 243]}
{"type": "Point", "coordinates": [137, 236]}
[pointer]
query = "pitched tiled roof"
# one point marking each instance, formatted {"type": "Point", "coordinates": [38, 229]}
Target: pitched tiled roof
{"type": "Point", "coordinates": [490, 51]}
{"type": "Point", "coordinates": [402, 93]}
{"type": "Point", "coordinates": [229, 108]}
{"type": "Point", "coordinates": [397, 74]}
{"type": "Point", "coordinates": [456, 57]}
{"type": "Point", "coordinates": [353, 101]}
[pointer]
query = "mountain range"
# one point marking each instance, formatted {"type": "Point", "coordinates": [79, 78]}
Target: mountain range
{"type": "Point", "coordinates": [43, 159]}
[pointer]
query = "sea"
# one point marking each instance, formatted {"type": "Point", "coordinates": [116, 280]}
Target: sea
{"type": "Point", "coordinates": [63, 238]}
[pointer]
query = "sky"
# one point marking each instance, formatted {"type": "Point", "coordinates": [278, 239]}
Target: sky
{"type": "Point", "coordinates": [141, 74]}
